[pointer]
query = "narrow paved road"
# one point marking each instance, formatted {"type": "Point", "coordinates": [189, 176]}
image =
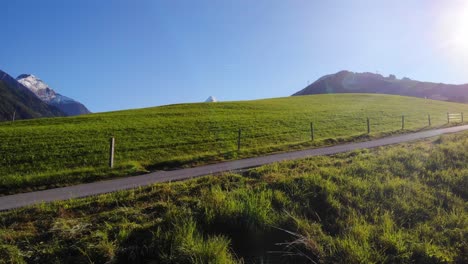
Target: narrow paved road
{"type": "Point", "coordinates": [88, 189]}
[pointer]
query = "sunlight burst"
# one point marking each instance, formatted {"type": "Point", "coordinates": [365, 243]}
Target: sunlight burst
{"type": "Point", "coordinates": [454, 30]}
{"type": "Point", "coordinates": [459, 37]}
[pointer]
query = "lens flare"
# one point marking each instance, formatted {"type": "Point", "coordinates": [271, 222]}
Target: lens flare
{"type": "Point", "coordinates": [453, 30]}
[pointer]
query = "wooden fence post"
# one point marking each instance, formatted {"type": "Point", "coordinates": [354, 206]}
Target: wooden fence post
{"type": "Point", "coordinates": [111, 152]}
{"type": "Point", "coordinates": [429, 119]}
{"type": "Point", "coordinates": [239, 139]}
{"type": "Point", "coordinates": [402, 122]}
{"type": "Point", "coordinates": [368, 126]}
{"type": "Point", "coordinates": [462, 116]}
{"type": "Point", "coordinates": [312, 131]}
{"type": "Point", "coordinates": [448, 118]}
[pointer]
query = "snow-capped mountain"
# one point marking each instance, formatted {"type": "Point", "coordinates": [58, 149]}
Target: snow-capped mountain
{"type": "Point", "coordinates": [49, 96]}
{"type": "Point", "coordinates": [211, 99]}
{"type": "Point", "coordinates": [18, 102]}
{"type": "Point", "coordinates": [37, 86]}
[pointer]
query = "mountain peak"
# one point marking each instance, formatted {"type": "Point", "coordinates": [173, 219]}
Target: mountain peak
{"type": "Point", "coordinates": [37, 86]}
{"type": "Point", "coordinates": [211, 99]}
{"type": "Point", "coordinates": [19, 102]}
{"type": "Point", "coordinates": [49, 96]}
{"type": "Point", "coordinates": [24, 75]}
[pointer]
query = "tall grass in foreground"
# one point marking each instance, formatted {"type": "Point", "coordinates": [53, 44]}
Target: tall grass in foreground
{"type": "Point", "coordinates": [46, 153]}
{"type": "Point", "coordinates": [397, 204]}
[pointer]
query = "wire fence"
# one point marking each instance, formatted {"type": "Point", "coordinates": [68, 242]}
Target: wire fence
{"type": "Point", "coordinates": [229, 139]}
{"type": "Point", "coordinates": [217, 139]}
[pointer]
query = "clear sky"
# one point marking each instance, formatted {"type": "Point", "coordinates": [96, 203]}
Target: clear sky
{"type": "Point", "coordinates": [116, 54]}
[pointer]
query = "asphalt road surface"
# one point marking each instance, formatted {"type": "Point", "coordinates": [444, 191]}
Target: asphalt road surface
{"type": "Point", "coordinates": [95, 188]}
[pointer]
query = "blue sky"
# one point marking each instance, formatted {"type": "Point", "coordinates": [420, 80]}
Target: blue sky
{"type": "Point", "coordinates": [115, 54]}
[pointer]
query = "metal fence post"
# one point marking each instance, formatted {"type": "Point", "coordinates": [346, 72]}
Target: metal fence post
{"type": "Point", "coordinates": [448, 118]}
{"type": "Point", "coordinates": [312, 131]}
{"type": "Point", "coordinates": [111, 152]}
{"type": "Point", "coordinates": [429, 119]}
{"type": "Point", "coordinates": [239, 139]}
{"type": "Point", "coordinates": [368, 126]}
{"type": "Point", "coordinates": [402, 122]}
{"type": "Point", "coordinates": [462, 116]}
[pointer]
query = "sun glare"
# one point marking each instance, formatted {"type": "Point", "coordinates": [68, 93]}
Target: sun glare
{"type": "Point", "coordinates": [454, 30]}
{"type": "Point", "coordinates": [460, 30]}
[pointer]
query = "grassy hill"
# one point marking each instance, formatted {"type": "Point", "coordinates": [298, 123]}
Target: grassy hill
{"type": "Point", "coordinates": [395, 204]}
{"type": "Point", "coordinates": [45, 153]}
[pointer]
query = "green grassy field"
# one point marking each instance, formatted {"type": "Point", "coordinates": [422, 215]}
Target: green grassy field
{"type": "Point", "coordinates": [398, 204]}
{"type": "Point", "coordinates": [45, 153]}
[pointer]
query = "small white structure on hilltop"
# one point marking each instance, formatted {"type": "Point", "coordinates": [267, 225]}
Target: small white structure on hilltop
{"type": "Point", "coordinates": [211, 99]}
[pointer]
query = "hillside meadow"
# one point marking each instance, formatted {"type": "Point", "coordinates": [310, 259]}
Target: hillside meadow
{"type": "Point", "coordinates": [46, 153]}
{"type": "Point", "coordinates": [405, 203]}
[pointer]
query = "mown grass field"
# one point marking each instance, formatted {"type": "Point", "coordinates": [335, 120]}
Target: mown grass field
{"type": "Point", "coordinates": [398, 204]}
{"type": "Point", "coordinates": [45, 153]}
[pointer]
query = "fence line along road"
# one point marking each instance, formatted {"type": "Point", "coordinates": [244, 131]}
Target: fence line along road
{"type": "Point", "coordinates": [95, 188]}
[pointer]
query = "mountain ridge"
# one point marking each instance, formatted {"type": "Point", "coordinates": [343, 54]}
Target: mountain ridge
{"type": "Point", "coordinates": [367, 82]}
{"type": "Point", "coordinates": [48, 95]}
{"type": "Point", "coordinates": [18, 102]}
